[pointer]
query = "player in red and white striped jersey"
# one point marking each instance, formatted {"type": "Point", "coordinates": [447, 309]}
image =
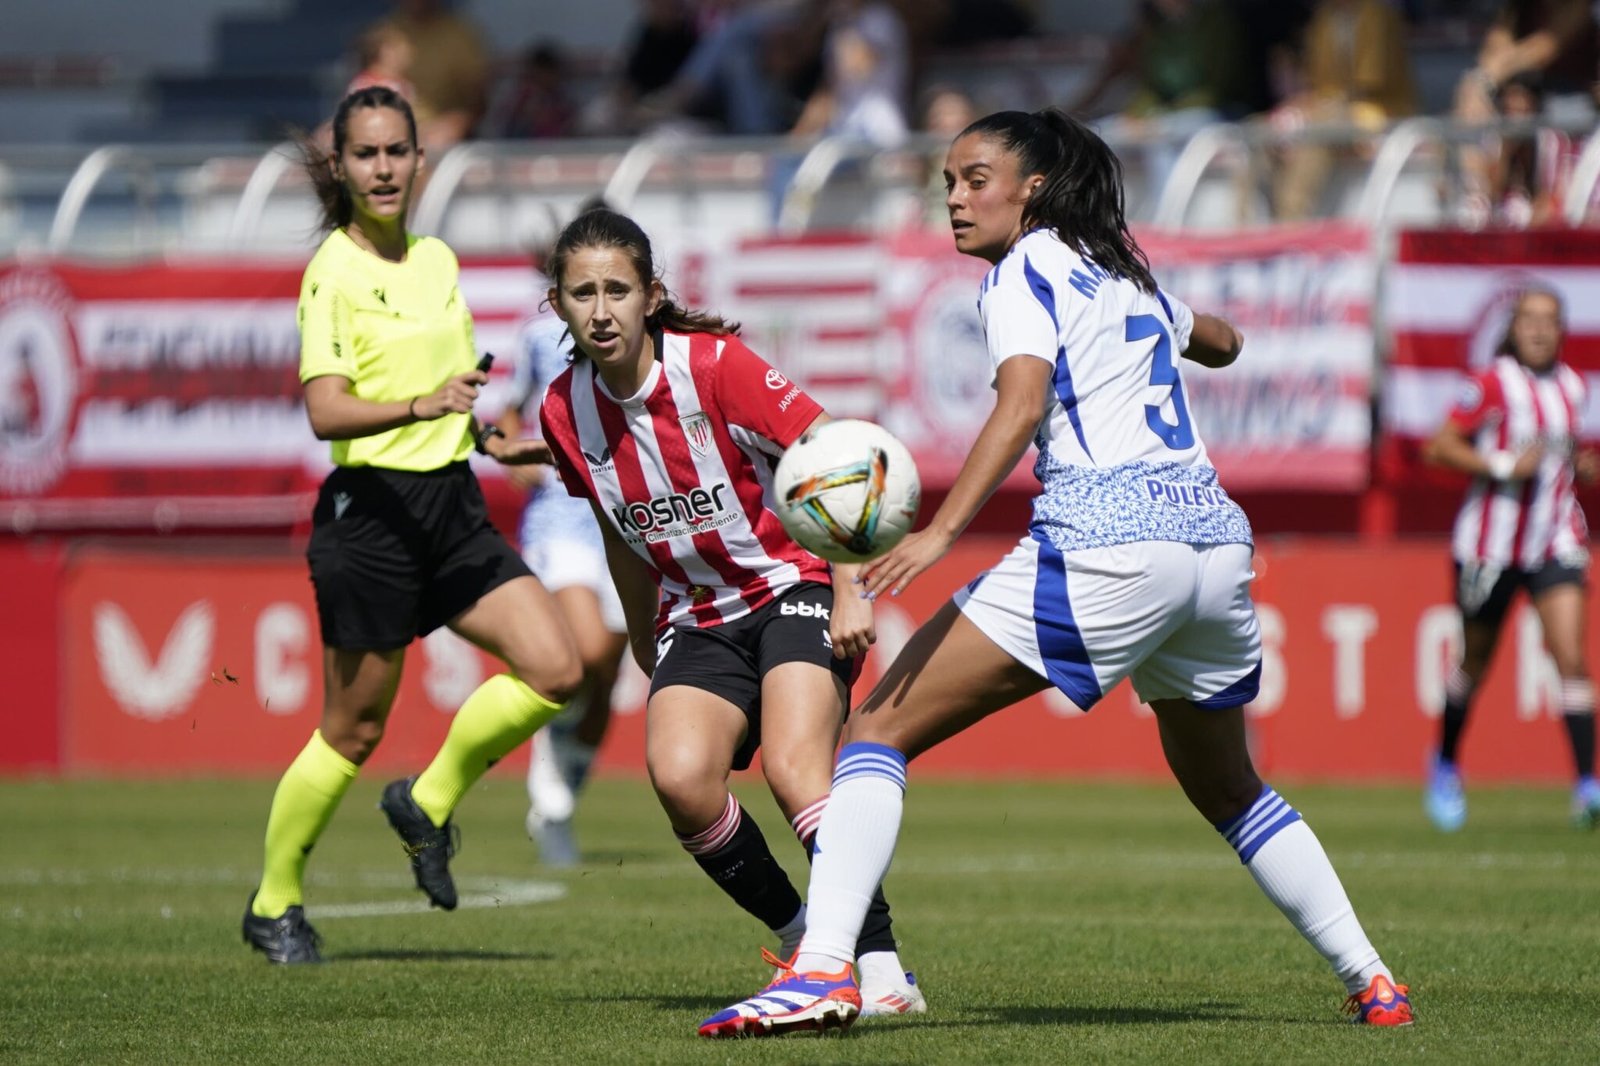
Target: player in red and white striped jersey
{"type": "Point", "coordinates": [1515, 430]}
{"type": "Point", "coordinates": [671, 427]}
{"type": "Point", "coordinates": [682, 469]}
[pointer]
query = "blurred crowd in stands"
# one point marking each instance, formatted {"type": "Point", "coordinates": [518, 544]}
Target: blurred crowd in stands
{"type": "Point", "coordinates": [860, 68]}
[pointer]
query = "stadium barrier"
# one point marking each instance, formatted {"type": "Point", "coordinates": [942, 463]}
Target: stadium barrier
{"type": "Point", "coordinates": [183, 663]}
{"type": "Point", "coordinates": [163, 396]}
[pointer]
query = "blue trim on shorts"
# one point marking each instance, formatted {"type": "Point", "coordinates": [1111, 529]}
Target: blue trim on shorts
{"type": "Point", "coordinates": [1237, 694]}
{"type": "Point", "coordinates": [1066, 659]}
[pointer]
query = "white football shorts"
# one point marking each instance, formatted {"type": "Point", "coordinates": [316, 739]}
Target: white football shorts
{"type": "Point", "coordinates": [1176, 618]}
{"type": "Point", "coordinates": [562, 562]}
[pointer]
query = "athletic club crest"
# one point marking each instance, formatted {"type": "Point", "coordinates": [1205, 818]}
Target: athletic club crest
{"type": "Point", "coordinates": [697, 431]}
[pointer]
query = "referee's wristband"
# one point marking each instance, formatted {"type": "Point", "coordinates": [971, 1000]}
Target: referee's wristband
{"type": "Point", "coordinates": [480, 443]}
{"type": "Point", "coordinates": [1500, 465]}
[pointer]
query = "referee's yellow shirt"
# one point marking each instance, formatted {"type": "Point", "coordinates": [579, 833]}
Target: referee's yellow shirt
{"type": "Point", "coordinates": [395, 330]}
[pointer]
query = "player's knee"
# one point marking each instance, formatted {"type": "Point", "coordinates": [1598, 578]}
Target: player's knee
{"type": "Point", "coordinates": [689, 792]}
{"type": "Point", "coordinates": [865, 727]}
{"type": "Point", "coordinates": [556, 675]}
{"type": "Point", "coordinates": [799, 776]}
{"type": "Point", "coordinates": [355, 741]}
{"type": "Point", "coordinates": [1227, 798]}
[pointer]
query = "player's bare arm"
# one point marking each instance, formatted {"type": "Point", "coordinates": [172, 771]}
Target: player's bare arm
{"type": "Point", "coordinates": [1450, 448]}
{"type": "Point", "coordinates": [851, 626]}
{"type": "Point", "coordinates": [1214, 342]}
{"type": "Point", "coordinates": [1023, 388]}
{"type": "Point", "coordinates": [522, 475]}
{"type": "Point", "coordinates": [338, 414]}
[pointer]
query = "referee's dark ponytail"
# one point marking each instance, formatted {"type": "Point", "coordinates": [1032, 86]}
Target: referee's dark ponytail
{"type": "Point", "coordinates": [1081, 198]}
{"type": "Point", "coordinates": [605, 228]}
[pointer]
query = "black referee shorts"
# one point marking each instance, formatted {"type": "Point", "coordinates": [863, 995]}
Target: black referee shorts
{"type": "Point", "coordinates": [729, 660]}
{"type": "Point", "coordinates": [396, 554]}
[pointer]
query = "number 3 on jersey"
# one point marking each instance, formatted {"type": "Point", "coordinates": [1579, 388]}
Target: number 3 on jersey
{"type": "Point", "coordinates": [1163, 373]}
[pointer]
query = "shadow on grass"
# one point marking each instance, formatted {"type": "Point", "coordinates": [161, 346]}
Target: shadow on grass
{"type": "Point", "coordinates": [704, 1004]}
{"type": "Point", "coordinates": [600, 858]}
{"type": "Point", "coordinates": [1068, 1015]}
{"type": "Point", "coordinates": [1041, 1016]}
{"type": "Point", "coordinates": [439, 955]}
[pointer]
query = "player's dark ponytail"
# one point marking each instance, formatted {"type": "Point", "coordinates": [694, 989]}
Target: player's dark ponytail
{"type": "Point", "coordinates": [605, 228]}
{"type": "Point", "coordinates": [1081, 198]}
{"type": "Point", "coordinates": [332, 195]}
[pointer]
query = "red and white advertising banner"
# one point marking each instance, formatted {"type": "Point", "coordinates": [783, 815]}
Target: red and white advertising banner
{"type": "Point", "coordinates": [165, 395]}
{"type": "Point", "coordinates": [205, 664]}
{"type": "Point", "coordinates": [888, 329]}
{"type": "Point", "coordinates": [1295, 411]}
{"type": "Point", "coordinates": [1448, 299]}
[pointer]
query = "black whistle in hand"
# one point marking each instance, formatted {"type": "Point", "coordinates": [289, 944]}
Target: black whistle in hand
{"type": "Point", "coordinates": [486, 362]}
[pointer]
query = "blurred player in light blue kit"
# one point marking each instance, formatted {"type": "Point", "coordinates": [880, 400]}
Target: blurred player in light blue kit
{"type": "Point", "coordinates": [561, 544]}
{"type": "Point", "coordinates": [1136, 565]}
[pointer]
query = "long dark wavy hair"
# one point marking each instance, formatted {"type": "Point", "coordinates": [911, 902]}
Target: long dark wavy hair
{"type": "Point", "coordinates": [602, 227]}
{"type": "Point", "coordinates": [332, 195]}
{"type": "Point", "coordinates": [1081, 198]}
{"type": "Point", "coordinates": [1508, 343]}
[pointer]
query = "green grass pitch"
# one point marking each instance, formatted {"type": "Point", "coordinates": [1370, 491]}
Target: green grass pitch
{"type": "Point", "coordinates": [1081, 922]}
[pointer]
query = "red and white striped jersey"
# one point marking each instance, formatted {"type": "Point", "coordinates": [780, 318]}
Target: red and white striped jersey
{"type": "Point", "coordinates": [683, 472]}
{"type": "Point", "coordinates": [1506, 408]}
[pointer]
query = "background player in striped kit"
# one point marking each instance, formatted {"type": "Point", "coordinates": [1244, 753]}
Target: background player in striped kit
{"type": "Point", "coordinates": [1514, 429]}
{"type": "Point", "coordinates": [1136, 565]}
{"type": "Point", "coordinates": [561, 543]}
{"type": "Point", "coordinates": [671, 428]}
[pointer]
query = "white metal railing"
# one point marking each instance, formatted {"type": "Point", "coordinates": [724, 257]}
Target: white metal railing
{"type": "Point", "coordinates": [630, 174]}
{"type": "Point", "coordinates": [274, 163]}
{"type": "Point", "coordinates": [81, 186]}
{"type": "Point", "coordinates": [1580, 190]}
{"type": "Point", "coordinates": [816, 167]}
{"type": "Point", "coordinates": [1399, 145]}
{"type": "Point", "coordinates": [442, 185]}
{"type": "Point", "coordinates": [55, 191]}
{"type": "Point", "coordinates": [1202, 149]}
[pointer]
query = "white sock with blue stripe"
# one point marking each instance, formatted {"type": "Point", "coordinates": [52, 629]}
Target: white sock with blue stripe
{"type": "Point", "coordinates": [1287, 861]}
{"type": "Point", "coordinates": [855, 844]}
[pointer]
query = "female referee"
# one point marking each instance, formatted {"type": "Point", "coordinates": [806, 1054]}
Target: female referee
{"type": "Point", "coordinates": [1137, 564]}
{"type": "Point", "coordinates": [670, 427]}
{"type": "Point", "coordinates": [400, 543]}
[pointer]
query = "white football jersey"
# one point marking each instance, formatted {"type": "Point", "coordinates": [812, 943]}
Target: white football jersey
{"type": "Point", "coordinates": [1120, 458]}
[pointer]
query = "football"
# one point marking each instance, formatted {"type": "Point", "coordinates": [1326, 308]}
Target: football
{"type": "Point", "coordinates": [847, 491]}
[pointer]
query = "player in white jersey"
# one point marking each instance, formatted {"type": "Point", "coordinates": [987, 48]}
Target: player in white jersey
{"type": "Point", "coordinates": [1136, 565]}
{"type": "Point", "coordinates": [1514, 430]}
{"type": "Point", "coordinates": [670, 427]}
{"type": "Point", "coordinates": [561, 544]}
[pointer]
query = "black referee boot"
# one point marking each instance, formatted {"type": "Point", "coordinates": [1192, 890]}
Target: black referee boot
{"type": "Point", "coordinates": [287, 939]}
{"type": "Point", "coordinates": [429, 846]}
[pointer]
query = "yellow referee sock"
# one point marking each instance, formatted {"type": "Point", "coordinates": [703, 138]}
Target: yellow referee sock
{"type": "Point", "coordinates": [307, 796]}
{"type": "Point", "coordinates": [499, 715]}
